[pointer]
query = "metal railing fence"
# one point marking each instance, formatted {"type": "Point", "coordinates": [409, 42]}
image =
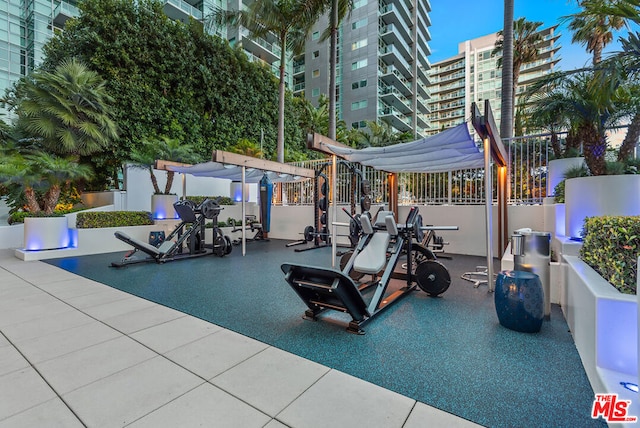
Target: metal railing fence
{"type": "Point", "coordinates": [527, 173]}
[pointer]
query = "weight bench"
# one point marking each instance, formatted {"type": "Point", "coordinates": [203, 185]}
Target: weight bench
{"type": "Point", "coordinates": [155, 252]}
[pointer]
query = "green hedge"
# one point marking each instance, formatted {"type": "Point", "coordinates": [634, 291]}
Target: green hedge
{"type": "Point", "coordinates": [95, 219]}
{"type": "Point", "coordinates": [611, 247]}
{"type": "Point", "coordinates": [222, 200]}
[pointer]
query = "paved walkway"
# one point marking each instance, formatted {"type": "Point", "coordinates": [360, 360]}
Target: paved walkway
{"type": "Point", "coordinates": [75, 352]}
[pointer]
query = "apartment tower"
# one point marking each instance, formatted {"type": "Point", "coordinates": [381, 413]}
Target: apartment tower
{"type": "Point", "coordinates": [473, 76]}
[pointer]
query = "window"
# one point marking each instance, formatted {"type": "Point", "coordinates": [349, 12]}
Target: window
{"type": "Point", "coordinates": [359, 44]}
{"type": "Point", "coordinates": [359, 125]}
{"type": "Point", "coordinates": [315, 92]}
{"type": "Point", "coordinates": [316, 73]}
{"type": "Point", "coordinates": [359, 105]}
{"type": "Point", "coordinates": [359, 64]}
{"type": "Point", "coordinates": [316, 54]}
{"type": "Point", "coordinates": [359, 24]}
{"type": "Point", "coordinates": [359, 3]}
{"type": "Point", "coordinates": [315, 35]}
{"type": "Point", "coordinates": [360, 84]}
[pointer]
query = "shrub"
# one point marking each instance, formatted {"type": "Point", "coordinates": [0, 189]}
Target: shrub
{"type": "Point", "coordinates": [611, 247]}
{"type": "Point", "coordinates": [95, 219]}
{"type": "Point", "coordinates": [222, 200]}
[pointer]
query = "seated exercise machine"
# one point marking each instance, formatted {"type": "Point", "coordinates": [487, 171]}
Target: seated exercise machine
{"type": "Point", "coordinates": [189, 233]}
{"type": "Point", "coordinates": [252, 225]}
{"type": "Point", "coordinates": [378, 252]}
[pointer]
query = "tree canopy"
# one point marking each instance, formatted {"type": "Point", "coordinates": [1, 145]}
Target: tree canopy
{"type": "Point", "coordinates": [170, 79]}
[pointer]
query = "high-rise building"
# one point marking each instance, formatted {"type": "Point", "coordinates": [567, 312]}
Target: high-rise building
{"type": "Point", "coordinates": [381, 67]}
{"type": "Point", "coordinates": [473, 76]}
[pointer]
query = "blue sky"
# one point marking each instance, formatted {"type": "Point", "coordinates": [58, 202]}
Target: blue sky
{"type": "Point", "coordinates": [454, 21]}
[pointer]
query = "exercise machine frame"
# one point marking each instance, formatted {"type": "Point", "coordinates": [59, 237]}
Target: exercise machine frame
{"type": "Point", "coordinates": [190, 230]}
{"type": "Point", "coordinates": [324, 289]}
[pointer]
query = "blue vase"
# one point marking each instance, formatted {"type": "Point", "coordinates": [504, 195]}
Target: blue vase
{"type": "Point", "coordinates": [519, 300]}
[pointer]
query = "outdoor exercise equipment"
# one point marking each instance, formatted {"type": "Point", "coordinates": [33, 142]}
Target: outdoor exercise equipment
{"type": "Point", "coordinates": [319, 232]}
{"type": "Point", "coordinates": [185, 241]}
{"type": "Point", "coordinates": [377, 254]}
{"type": "Point", "coordinates": [253, 226]}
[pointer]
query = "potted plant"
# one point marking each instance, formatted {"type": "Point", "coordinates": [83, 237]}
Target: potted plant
{"type": "Point", "coordinates": [600, 304]}
{"type": "Point", "coordinates": [162, 148]}
{"type": "Point", "coordinates": [60, 116]}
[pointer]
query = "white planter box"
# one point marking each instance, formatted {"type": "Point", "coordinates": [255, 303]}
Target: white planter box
{"type": "Point", "coordinates": [604, 325]}
{"type": "Point", "coordinates": [46, 233]}
{"type": "Point", "coordinates": [162, 207]}
{"type": "Point", "coordinates": [91, 241]}
{"type": "Point", "coordinates": [599, 196]}
{"type": "Point", "coordinates": [557, 170]}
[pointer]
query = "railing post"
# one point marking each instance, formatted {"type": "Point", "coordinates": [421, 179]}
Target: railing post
{"type": "Point", "coordinates": [449, 187]}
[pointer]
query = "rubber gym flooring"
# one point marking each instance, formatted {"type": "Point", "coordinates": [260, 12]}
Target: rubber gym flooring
{"type": "Point", "coordinates": [449, 352]}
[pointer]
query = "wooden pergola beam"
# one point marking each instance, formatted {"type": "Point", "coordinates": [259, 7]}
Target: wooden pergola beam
{"type": "Point", "coordinates": [163, 164]}
{"type": "Point", "coordinates": [319, 143]}
{"type": "Point", "coordinates": [229, 158]}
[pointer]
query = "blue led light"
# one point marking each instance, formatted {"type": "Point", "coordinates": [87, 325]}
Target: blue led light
{"type": "Point", "coordinates": [633, 387]}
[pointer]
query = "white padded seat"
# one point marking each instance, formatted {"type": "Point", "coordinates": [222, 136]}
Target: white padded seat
{"type": "Point", "coordinates": [374, 255]}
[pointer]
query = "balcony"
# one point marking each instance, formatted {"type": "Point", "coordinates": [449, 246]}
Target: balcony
{"type": "Point", "coordinates": [391, 56]}
{"type": "Point", "coordinates": [394, 117]}
{"type": "Point", "coordinates": [393, 97]}
{"type": "Point", "coordinates": [392, 77]}
{"type": "Point", "coordinates": [63, 12]}
{"type": "Point", "coordinates": [298, 69]}
{"type": "Point", "coordinates": [391, 36]}
{"type": "Point", "coordinates": [180, 10]}
{"type": "Point", "coordinates": [395, 13]}
{"type": "Point", "coordinates": [268, 52]}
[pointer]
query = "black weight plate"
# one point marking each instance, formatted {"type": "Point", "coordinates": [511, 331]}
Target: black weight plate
{"type": "Point", "coordinates": [322, 204]}
{"type": "Point", "coordinates": [220, 246]}
{"type": "Point", "coordinates": [324, 235]}
{"type": "Point", "coordinates": [432, 277]}
{"type": "Point", "coordinates": [323, 218]}
{"type": "Point", "coordinates": [229, 245]}
{"type": "Point", "coordinates": [210, 209]}
{"type": "Point", "coordinates": [365, 203]}
{"type": "Point", "coordinates": [324, 188]}
{"type": "Point", "coordinates": [309, 232]}
{"type": "Point", "coordinates": [365, 187]}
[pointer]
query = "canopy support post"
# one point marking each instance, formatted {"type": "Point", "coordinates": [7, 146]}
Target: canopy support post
{"type": "Point", "coordinates": [244, 212]}
{"type": "Point", "coordinates": [488, 205]}
{"type": "Point", "coordinates": [334, 209]}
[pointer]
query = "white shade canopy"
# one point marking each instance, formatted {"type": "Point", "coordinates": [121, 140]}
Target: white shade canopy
{"type": "Point", "coordinates": [449, 150]}
{"type": "Point", "coordinates": [231, 172]}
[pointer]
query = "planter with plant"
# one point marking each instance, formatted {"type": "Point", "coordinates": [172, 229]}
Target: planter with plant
{"type": "Point", "coordinates": [600, 305]}
{"type": "Point", "coordinates": [60, 117]}
{"type": "Point", "coordinates": [145, 157]}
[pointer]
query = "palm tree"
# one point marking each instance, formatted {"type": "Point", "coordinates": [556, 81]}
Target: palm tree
{"type": "Point", "coordinates": [289, 20]}
{"type": "Point", "coordinates": [506, 108]}
{"type": "Point", "coordinates": [382, 134]}
{"type": "Point", "coordinates": [163, 148]}
{"type": "Point", "coordinates": [41, 170]}
{"type": "Point", "coordinates": [593, 26]}
{"type": "Point", "coordinates": [590, 107]}
{"type": "Point", "coordinates": [630, 59]}
{"type": "Point", "coordinates": [338, 11]}
{"type": "Point", "coordinates": [67, 110]}
{"type": "Point", "coordinates": [247, 147]}
{"type": "Point", "coordinates": [526, 39]}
